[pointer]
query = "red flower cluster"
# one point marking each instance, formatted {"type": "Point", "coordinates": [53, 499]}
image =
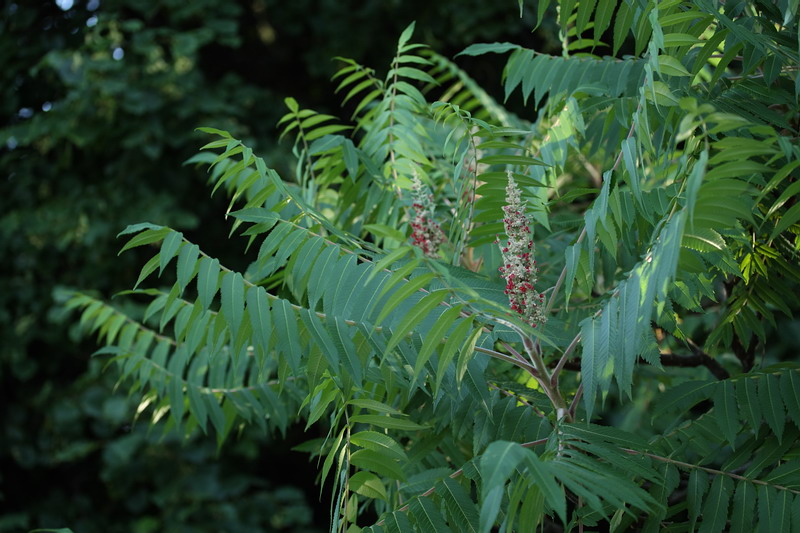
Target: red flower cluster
{"type": "Point", "coordinates": [519, 268]}
{"type": "Point", "coordinates": [427, 234]}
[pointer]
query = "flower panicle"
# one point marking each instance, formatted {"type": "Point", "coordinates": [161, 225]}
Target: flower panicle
{"type": "Point", "coordinates": [426, 234]}
{"type": "Point", "coordinates": [519, 266]}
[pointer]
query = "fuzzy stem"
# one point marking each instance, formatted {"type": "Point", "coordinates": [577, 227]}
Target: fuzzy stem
{"type": "Point", "coordinates": [544, 379]}
{"type": "Point", "coordinates": [564, 359]}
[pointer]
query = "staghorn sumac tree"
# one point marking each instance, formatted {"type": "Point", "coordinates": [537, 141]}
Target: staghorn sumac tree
{"type": "Point", "coordinates": [461, 386]}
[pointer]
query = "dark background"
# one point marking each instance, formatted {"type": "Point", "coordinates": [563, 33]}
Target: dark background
{"type": "Point", "coordinates": [98, 105]}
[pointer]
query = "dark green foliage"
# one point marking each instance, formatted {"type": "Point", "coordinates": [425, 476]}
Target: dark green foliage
{"type": "Point", "coordinates": [429, 389]}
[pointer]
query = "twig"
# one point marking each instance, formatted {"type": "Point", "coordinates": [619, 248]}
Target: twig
{"type": "Point", "coordinates": [573, 407]}
{"type": "Point", "coordinates": [596, 176]}
{"type": "Point", "coordinates": [698, 358]}
{"type": "Point", "coordinates": [754, 76]}
{"type": "Point", "coordinates": [507, 358]}
{"type": "Point", "coordinates": [519, 398]}
{"type": "Point", "coordinates": [564, 358]}
{"type": "Point", "coordinates": [672, 359]}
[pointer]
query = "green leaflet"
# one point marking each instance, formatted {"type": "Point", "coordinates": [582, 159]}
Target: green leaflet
{"type": "Point", "coordinates": [286, 332]}
{"type": "Point", "coordinates": [465, 359]}
{"type": "Point", "coordinates": [321, 338]}
{"type": "Point", "coordinates": [767, 499]}
{"type": "Point", "coordinates": [172, 305]}
{"type": "Point", "coordinates": [379, 442]}
{"type": "Point", "coordinates": [584, 12]}
{"type": "Point", "coordinates": [197, 406]}
{"type": "Point", "coordinates": [374, 405]}
{"type": "Point", "coordinates": [630, 156]}
{"type": "Point", "coordinates": [725, 411]}
{"type": "Point", "coordinates": [572, 256]}
{"type": "Point", "coordinates": [772, 404]}
{"type": "Point", "coordinates": [435, 336]}
{"type": "Point", "coordinates": [479, 49]}
{"type": "Point", "coordinates": [509, 160]}
{"type": "Point", "coordinates": [387, 422]}
{"type": "Point", "coordinates": [232, 296]}
{"type": "Point", "coordinates": [498, 461]}
{"type": "Point", "coordinates": [397, 522]}
{"type": "Point", "coordinates": [768, 453]}
{"type": "Point", "coordinates": [341, 337]}
{"type": "Point", "coordinates": [377, 463]}
{"type": "Point", "coordinates": [790, 390]}
{"type": "Point", "coordinates": [150, 235]}
{"type": "Point", "coordinates": [389, 259]}
{"type": "Point", "coordinates": [427, 516]}
{"type": "Point", "coordinates": [175, 368]}
{"type": "Point", "coordinates": [461, 511]}
{"type": "Point", "coordinates": [786, 475]}
{"type": "Point", "coordinates": [588, 364]}
{"type": "Point", "coordinates": [169, 247]}
{"type": "Point", "coordinates": [743, 505]}
{"type": "Point", "coordinates": [791, 217]}
{"type": "Point", "coordinates": [148, 269]}
{"type": "Point", "coordinates": [747, 396]}
{"type": "Point", "coordinates": [259, 314]}
{"type": "Point", "coordinates": [348, 282]}
{"type": "Point", "coordinates": [455, 342]}
{"type": "Point", "coordinates": [304, 261]}
{"type": "Point", "coordinates": [207, 281]}
{"type": "Point", "coordinates": [415, 315]}
{"type": "Point", "coordinates": [316, 283]}
{"type": "Point", "coordinates": [187, 264]}
{"type": "Point", "coordinates": [715, 510]}
{"type": "Point", "coordinates": [367, 484]}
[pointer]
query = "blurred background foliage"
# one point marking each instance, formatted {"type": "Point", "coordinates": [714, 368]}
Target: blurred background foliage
{"type": "Point", "coordinates": [99, 101]}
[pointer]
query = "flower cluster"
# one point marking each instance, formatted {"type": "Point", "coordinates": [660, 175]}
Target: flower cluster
{"type": "Point", "coordinates": [519, 268]}
{"type": "Point", "coordinates": [427, 234]}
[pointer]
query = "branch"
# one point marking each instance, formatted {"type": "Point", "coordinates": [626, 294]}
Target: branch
{"type": "Point", "coordinates": [671, 359]}
{"type": "Point", "coordinates": [745, 354]}
{"type": "Point", "coordinates": [545, 380]}
{"type": "Point", "coordinates": [519, 356]}
{"type": "Point", "coordinates": [519, 398]}
{"type": "Point", "coordinates": [698, 358]}
{"type": "Point", "coordinates": [710, 470]}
